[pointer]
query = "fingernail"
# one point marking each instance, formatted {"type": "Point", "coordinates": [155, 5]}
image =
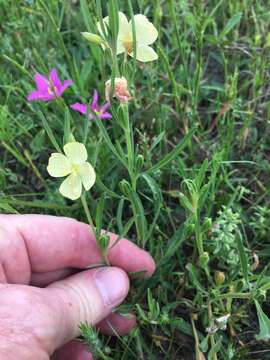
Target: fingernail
{"type": "Point", "coordinates": [113, 285]}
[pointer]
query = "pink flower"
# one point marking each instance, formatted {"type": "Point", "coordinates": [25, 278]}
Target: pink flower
{"type": "Point", "coordinates": [97, 110]}
{"type": "Point", "coordinates": [48, 88]}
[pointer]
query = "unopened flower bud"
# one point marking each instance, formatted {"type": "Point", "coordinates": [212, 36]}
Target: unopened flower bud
{"type": "Point", "coordinates": [104, 243]}
{"type": "Point", "coordinates": [207, 225]}
{"type": "Point", "coordinates": [139, 162]}
{"type": "Point", "coordinates": [120, 90]}
{"type": "Point", "coordinates": [204, 259]}
{"type": "Point", "coordinates": [93, 38]}
{"type": "Point", "coordinates": [219, 277]}
{"type": "Point", "coordinates": [125, 187]}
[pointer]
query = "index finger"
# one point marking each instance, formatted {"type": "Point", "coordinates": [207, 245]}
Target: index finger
{"type": "Point", "coordinates": [45, 243]}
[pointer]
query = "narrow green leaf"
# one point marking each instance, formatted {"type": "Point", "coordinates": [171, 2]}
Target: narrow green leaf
{"type": "Point", "coordinates": [49, 131]}
{"type": "Point", "coordinates": [242, 255]}
{"type": "Point", "coordinates": [264, 323]}
{"type": "Point", "coordinates": [231, 24]}
{"type": "Point", "coordinates": [172, 154]}
{"type": "Point", "coordinates": [176, 241]}
{"type": "Point", "coordinates": [157, 195]}
{"type": "Point", "coordinates": [99, 215]}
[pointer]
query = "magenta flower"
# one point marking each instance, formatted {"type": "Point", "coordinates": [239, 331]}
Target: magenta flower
{"type": "Point", "coordinates": [96, 110]}
{"type": "Point", "coordinates": [48, 88]}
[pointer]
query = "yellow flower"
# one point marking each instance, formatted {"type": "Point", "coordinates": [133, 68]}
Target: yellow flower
{"type": "Point", "coordinates": [146, 34]}
{"type": "Point", "coordinates": [73, 163]}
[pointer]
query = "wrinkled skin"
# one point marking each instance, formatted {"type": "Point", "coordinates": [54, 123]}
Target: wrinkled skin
{"type": "Point", "coordinates": [45, 291]}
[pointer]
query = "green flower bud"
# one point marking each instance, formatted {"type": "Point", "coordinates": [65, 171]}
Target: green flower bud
{"type": "Point", "coordinates": [260, 295]}
{"type": "Point", "coordinates": [93, 38]}
{"type": "Point", "coordinates": [125, 187]}
{"type": "Point", "coordinates": [207, 225]}
{"type": "Point", "coordinates": [139, 162]}
{"type": "Point", "coordinates": [104, 243]}
{"type": "Point", "coordinates": [204, 259]}
{"type": "Point", "coordinates": [219, 277]}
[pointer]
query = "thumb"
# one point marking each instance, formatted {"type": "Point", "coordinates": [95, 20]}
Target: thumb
{"type": "Point", "coordinates": [86, 297]}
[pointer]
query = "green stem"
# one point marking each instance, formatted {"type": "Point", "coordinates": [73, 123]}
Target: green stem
{"type": "Point", "coordinates": [130, 147]}
{"type": "Point", "coordinates": [198, 234]}
{"type": "Point", "coordinates": [212, 337]}
{"type": "Point", "coordinates": [91, 223]}
{"type": "Point", "coordinates": [87, 213]}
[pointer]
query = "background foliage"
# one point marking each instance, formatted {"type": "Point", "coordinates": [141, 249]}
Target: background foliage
{"type": "Point", "coordinates": [200, 120]}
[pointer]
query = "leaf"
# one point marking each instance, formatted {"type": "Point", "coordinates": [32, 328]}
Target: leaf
{"type": "Point", "coordinates": [264, 323]}
{"type": "Point", "coordinates": [157, 195]}
{"type": "Point", "coordinates": [99, 214]}
{"type": "Point", "coordinates": [108, 141]}
{"type": "Point", "coordinates": [157, 140]}
{"type": "Point", "coordinates": [231, 24]}
{"type": "Point", "coordinates": [242, 255]}
{"type": "Point", "coordinates": [9, 209]}
{"type": "Point", "coordinates": [184, 327]}
{"type": "Point", "coordinates": [49, 131]}
{"type": "Point", "coordinates": [201, 174]}
{"type": "Point", "coordinates": [176, 241]}
{"type": "Point", "coordinates": [215, 349]}
{"type": "Point", "coordinates": [66, 137]}
{"type": "Point", "coordinates": [194, 278]}
{"type": "Point", "coordinates": [172, 154]}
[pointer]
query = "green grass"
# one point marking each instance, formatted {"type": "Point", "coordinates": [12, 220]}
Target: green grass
{"type": "Point", "coordinates": [192, 185]}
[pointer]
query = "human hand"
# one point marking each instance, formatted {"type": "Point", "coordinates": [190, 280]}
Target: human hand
{"type": "Point", "coordinates": [41, 304]}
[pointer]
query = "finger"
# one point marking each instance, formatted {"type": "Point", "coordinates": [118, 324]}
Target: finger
{"type": "Point", "coordinates": [49, 318]}
{"type": "Point", "coordinates": [73, 350]}
{"type": "Point", "coordinates": [40, 243]}
{"type": "Point", "coordinates": [87, 297]}
{"type": "Point", "coordinates": [116, 324]}
{"type": "Point", "coordinates": [45, 279]}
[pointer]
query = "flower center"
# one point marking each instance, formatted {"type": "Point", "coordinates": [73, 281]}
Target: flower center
{"type": "Point", "coordinates": [128, 44]}
{"type": "Point", "coordinates": [52, 90]}
{"type": "Point", "coordinates": [75, 169]}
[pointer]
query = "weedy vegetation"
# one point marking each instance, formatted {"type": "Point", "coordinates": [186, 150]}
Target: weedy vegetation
{"type": "Point", "coordinates": [182, 167]}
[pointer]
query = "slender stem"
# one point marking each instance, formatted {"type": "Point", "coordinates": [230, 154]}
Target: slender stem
{"type": "Point", "coordinates": [130, 147]}
{"type": "Point", "coordinates": [104, 253]}
{"type": "Point", "coordinates": [87, 213]}
{"type": "Point", "coordinates": [212, 337]}
{"type": "Point", "coordinates": [198, 234]}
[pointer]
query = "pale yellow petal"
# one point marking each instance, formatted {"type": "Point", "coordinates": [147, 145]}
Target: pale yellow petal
{"type": "Point", "coordinates": [124, 26]}
{"type": "Point", "coordinates": [145, 53]}
{"type": "Point", "coordinates": [123, 29]}
{"type": "Point", "coordinates": [87, 175]}
{"type": "Point", "coordinates": [146, 33]}
{"type": "Point", "coordinates": [71, 187]}
{"type": "Point", "coordinates": [59, 165]}
{"type": "Point", "coordinates": [76, 152]}
{"type": "Point", "coordinates": [120, 47]}
{"type": "Point", "coordinates": [105, 23]}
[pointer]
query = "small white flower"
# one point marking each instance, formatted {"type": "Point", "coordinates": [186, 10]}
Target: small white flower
{"type": "Point", "coordinates": [73, 163]}
{"type": "Point", "coordinates": [146, 34]}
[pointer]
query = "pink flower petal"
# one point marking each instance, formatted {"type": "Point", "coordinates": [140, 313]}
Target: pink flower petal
{"type": "Point", "coordinates": [65, 85]}
{"type": "Point", "coordinates": [105, 115]}
{"type": "Point", "coordinates": [82, 108]}
{"type": "Point", "coordinates": [34, 95]}
{"type": "Point", "coordinates": [38, 95]}
{"type": "Point", "coordinates": [94, 104]}
{"type": "Point", "coordinates": [55, 80]}
{"type": "Point", "coordinates": [105, 107]}
{"type": "Point", "coordinates": [41, 82]}
{"type": "Point", "coordinates": [48, 97]}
